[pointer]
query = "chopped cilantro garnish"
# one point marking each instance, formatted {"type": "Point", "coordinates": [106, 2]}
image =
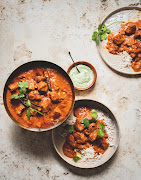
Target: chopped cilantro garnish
{"type": "Point", "coordinates": [100, 132]}
{"type": "Point", "coordinates": [69, 128]}
{"type": "Point", "coordinates": [94, 114]}
{"type": "Point", "coordinates": [76, 158]}
{"type": "Point", "coordinates": [85, 122]}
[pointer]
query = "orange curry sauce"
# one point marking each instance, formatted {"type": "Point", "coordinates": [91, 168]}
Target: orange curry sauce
{"type": "Point", "coordinates": [128, 39]}
{"type": "Point", "coordinates": [54, 104]}
{"type": "Point", "coordinates": [83, 138]}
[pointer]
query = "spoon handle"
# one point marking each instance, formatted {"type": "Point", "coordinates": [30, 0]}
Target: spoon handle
{"type": "Point", "coordinates": [74, 62]}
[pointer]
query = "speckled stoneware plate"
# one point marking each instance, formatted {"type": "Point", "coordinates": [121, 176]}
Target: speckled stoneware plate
{"type": "Point", "coordinates": [59, 137]}
{"type": "Point", "coordinates": [119, 62]}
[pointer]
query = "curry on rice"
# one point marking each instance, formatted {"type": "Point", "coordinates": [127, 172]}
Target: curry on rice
{"type": "Point", "coordinates": [88, 131]}
{"type": "Point", "coordinates": [128, 39]}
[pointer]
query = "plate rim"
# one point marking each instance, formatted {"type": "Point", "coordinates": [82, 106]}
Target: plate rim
{"type": "Point", "coordinates": [116, 147]}
{"type": "Point", "coordinates": [98, 47]}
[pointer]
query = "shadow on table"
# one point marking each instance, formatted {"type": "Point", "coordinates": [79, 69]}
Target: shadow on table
{"type": "Point", "coordinates": [86, 172]}
{"type": "Point", "coordinates": [35, 143]}
{"type": "Point", "coordinates": [41, 146]}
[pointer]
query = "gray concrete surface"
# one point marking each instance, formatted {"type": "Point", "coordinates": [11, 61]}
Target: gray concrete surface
{"type": "Point", "coordinates": [47, 30]}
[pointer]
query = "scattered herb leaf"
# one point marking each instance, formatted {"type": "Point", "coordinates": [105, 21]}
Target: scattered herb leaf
{"type": "Point", "coordinates": [69, 128]}
{"type": "Point", "coordinates": [23, 90]}
{"type": "Point", "coordinates": [94, 114]}
{"type": "Point", "coordinates": [28, 103]}
{"type": "Point", "coordinates": [37, 111]}
{"type": "Point", "coordinates": [103, 36]}
{"type": "Point", "coordinates": [102, 126]}
{"type": "Point", "coordinates": [23, 84]}
{"type": "Point", "coordinates": [15, 96]}
{"type": "Point", "coordinates": [28, 114]}
{"type": "Point", "coordinates": [76, 158]}
{"type": "Point", "coordinates": [103, 30]}
{"type": "Point", "coordinates": [86, 122]}
{"type": "Point", "coordinates": [100, 132]}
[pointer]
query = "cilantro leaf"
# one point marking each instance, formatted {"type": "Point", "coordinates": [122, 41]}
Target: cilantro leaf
{"type": "Point", "coordinates": [14, 96]}
{"type": "Point", "coordinates": [76, 158]}
{"type": "Point", "coordinates": [103, 36]}
{"type": "Point", "coordinates": [23, 84]}
{"type": "Point", "coordinates": [94, 114]}
{"type": "Point", "coordinates": [86, 122]}
{"type": "Point", "coordinates": [99, 27]}
{"type": "Point", "coordinates": [94, 35]}
{"type": "Point", "coordinates": [102, 126]}
{"type": "Point", "coordinates": [23, 90]}
{"type": "Point", "coordinates": [100, 133]}
{"type": "Point", "coordinates": [69, 128]}
{"type": "Point", "coordinates": [21, 95]}
{"type": "Point", "coordinates": [108, 31]}
{"type": "Point", "coordinates": [28, 103]}
{"type": "Point", "coordinates": [97, 39]}
{"type": "Point", "coordinates": [37, 111]}
{"type": "Point", "coordinates": [28, 114]}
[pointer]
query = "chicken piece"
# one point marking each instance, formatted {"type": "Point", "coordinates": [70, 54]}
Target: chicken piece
{"type": "Point", "coordinates": [54, 97]}
{"type": "Point", "coordinates": [32, 84]}
{"type": "Point", "coordinates": [20, 109]}
{"type": "Point", "coordinates": [79, 126]}
{"type": "Point", "coordinates": [104, 144]}
{"type": "Point", "coordinates": [92, 127]}
{"type": "Point", "coordinates": [39, 78]}
{"type": "Point", "coordinates": [138, 35]}
{"type": "Point", "coordinates": [22, 76]}
{"type": "Point", "coordinates": [131, 28]}
{"type": "Point", "coordinates": [118, 39]}
{"type": "Point", "coordinates": [34, 95]}
{"type": "Point", "coordinates": [32, 112]}
{"type": "Point", "coordinates": [93, 136]}
{"type": "Point", "coordinates": [42, 86]}
{"type": "Point", "coordinates": [57, 112]}
{"type": "Point", "coordinates": [86, 132]}
{"type": "Point", "coordinates": [68, 151]}
{"type": "Point", "coordinates": [71, 140]}
{"type": "Point", "coordinates": [80, 137]}
{"type": "Point", "coordinates": [13, 86]}
{"type": "Point", "coordinates": [83, 146]}
{"type": "Point", "coordinates": [45, 104]}
{"type": "Point", "coordinates": [136, 65]}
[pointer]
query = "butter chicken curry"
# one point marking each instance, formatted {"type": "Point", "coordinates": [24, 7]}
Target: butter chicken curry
{"type": "Point", "coordinates": [87, 131]}
{"type": "Point", "coordinates": [128, 39]}
{"type": "Point", "coordinates": [39, 97]}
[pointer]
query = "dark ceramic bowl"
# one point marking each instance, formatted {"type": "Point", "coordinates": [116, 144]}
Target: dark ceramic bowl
{"type": "Point", "coordinates": [27, 66]}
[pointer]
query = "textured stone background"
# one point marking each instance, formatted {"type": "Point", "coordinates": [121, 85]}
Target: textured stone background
{"type": "Point", "coordinates": [47, 30]}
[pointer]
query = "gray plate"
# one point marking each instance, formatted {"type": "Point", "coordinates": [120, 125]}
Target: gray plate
{"type": "Point", "coordinates": [114, 61]}
{"type": "Point", "coordinates": [59, 140]}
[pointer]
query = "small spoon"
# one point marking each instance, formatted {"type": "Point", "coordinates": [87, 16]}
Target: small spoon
{"type": "Point", "coordinates": [74, 62]}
